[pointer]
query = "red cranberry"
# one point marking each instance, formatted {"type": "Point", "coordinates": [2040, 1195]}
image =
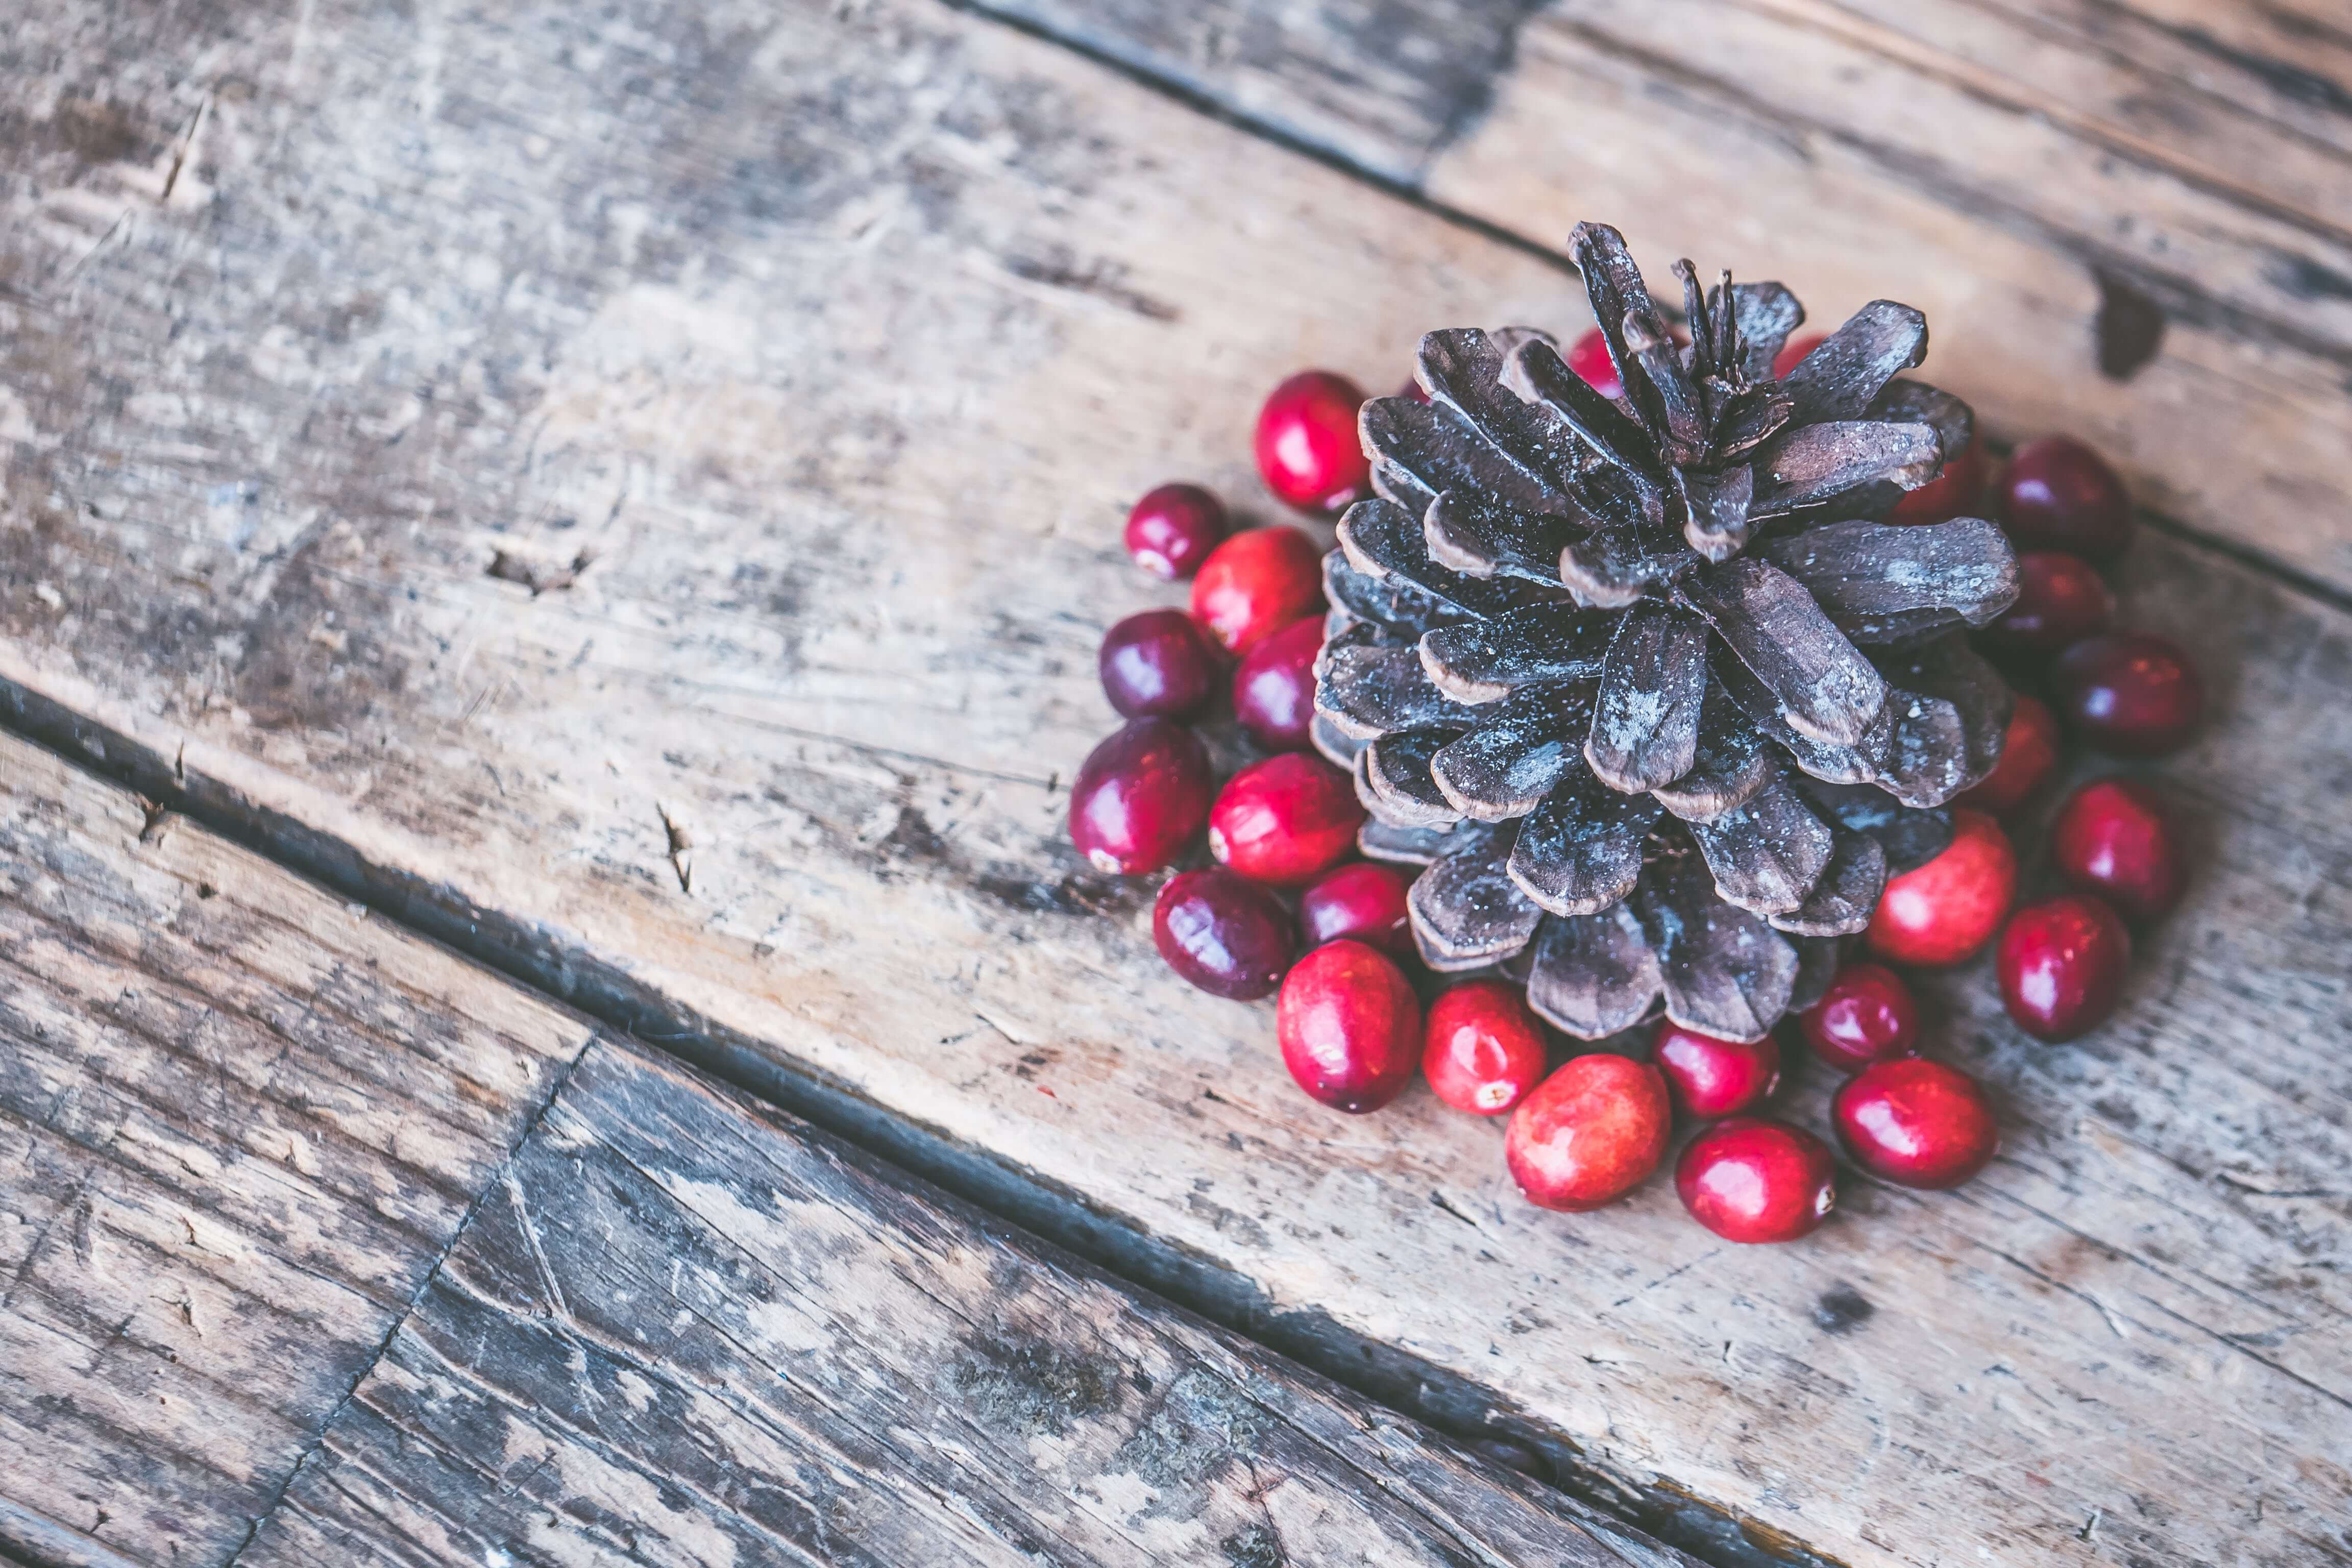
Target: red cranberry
{"type": "Point", "coordinates": [1483, 1049]}
{"type": "Point", "coordinates": [2061, 965]}
{"type": "Point", "coordinates": [1953, 492]}
{"type": "Point", "coordinates": [2029, 754]}
{"type": "Point", "coordinates": [1225, 933]}
{"type": "Point", "coordinates": [1916, 1122]}
{"type": "Point", "coordinates": [1589, 357]}
{"type": "Point", "coordinates": [1173, 529]}
{"type": "Point", "coordinates": [1752, 1179]}
{"type": "Point", "coordinates": [1308, 448]}
{"type": "Point", "coordinates": [2113, 837]}
{"type": "Point", "coordinates": [1286, 819]}
{"type": "Point", "coordinates": [1350, 1027]}
{"type": "Point", "coordinates": [1794, 351]}
{"type": "Point", "coordinates": [1590, 1132]}
{"type": "Point", "coordinates": [2061, 599]}
{"type": "Point", "coordinates": [1140, 796]}
{"type": "Point", "coordinates": [1255, 584]}
{"type": "Point", "coordinates": [2058, 494]}
{"type": "Point", "coordinates": [1364, 901]}
{"type": "Point", "coordinates": [1156, 662]}
{"type": "Point", "coordinates": [2129, 693]}
{"type": "Point", "coordinates": [1866, 1015]}
{"type": "Point", "coordinates": [1274, 689]}
{"type": "Point", "coordinates": [1944, 910]}
{"type": "Point", "coordinates": [1713, 1078]}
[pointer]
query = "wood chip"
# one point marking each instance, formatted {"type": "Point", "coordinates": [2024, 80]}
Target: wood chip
{"type": "Point", "coordinates": [1768, 855]}
{"type": "Point", "coordinates": [1882, 584]}
{"type": "Point", "coordinates": [1485, 661]}
{"type": "Point", "coordinates": [1849, 368]}
{"type": "Point", "coordinates": [1580, 851]}
{"type": "Point", "coordinates": [1593, 975]}
{"type": "Point", "coordinates": [1652, 683]}
{"type": "Point", "coordinates": [1822, 685]}
{"type": "Point", "coordinates": [1465, 909]}
{"type": "Point", "coordinates": [1522, 747]}
{"type": "Point", "coordinates": [1724, 970]}
{"type": "Point", "coordinates": [1846, 892]}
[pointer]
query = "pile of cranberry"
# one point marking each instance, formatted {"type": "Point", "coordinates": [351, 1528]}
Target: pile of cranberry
{"type": "Point", "coordinates": [1284, 876]}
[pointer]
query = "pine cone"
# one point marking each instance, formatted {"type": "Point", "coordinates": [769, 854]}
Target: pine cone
{"type": "Point", "coordinates": [1576, 646]}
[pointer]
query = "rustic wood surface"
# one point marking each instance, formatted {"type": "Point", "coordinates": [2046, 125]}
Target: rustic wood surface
{"type": "Point", "coordinates": [239, 1123]}
{"type": "Point", "coordinates": [244, 1126]}
{"type": "Point", "coordinates": [657, 473]}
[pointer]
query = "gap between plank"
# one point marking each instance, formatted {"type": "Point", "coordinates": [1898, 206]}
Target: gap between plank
{"type": "Point", "coordinates": [526, 955]}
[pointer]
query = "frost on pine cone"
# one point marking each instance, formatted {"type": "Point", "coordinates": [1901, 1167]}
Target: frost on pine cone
{"type": "Point", "coordinates": [1641, 679]}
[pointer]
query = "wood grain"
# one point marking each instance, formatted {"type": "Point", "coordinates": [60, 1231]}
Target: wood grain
{"type": "Point", "coordinates": [238, 1124]}
{"type": "Point", "coordinates": [684, 1330]}
{"type": "Point", "coordinates": [805, 362]}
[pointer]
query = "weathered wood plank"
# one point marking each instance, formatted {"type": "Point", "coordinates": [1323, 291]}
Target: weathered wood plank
{"type": "Point", "coordinates": [837, 625]}
{"type": "Point", "coordinates": [2000, 166]}
{"type": "Point", "coordinates": [238, 1124]}
{"type": "Point", "coordinates": [682, 1329]}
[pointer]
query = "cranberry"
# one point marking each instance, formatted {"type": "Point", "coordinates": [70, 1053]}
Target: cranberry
{"type": "Point", "coordinates": [1156, 662]}
{"type": "Point", "coordinates": [2061, 965]}
{"type": "Point", "coordinates": [1953, 492]}
{"type": "Point", "coordinates": [1483, 1049]}
{"type": "Point", "coordinates": [1944, 910]}
{"type": "Point", "coordinates": [1255, 584]}
{"type": "Point", "coordinates": [1712, 1077]}
{"type": "Point", "coordinates": [1274, 689]}
{"type": "Point", "coordinates": [1866, 1015]}
{"type": "Point", "coordinates": [1350, 1027]}
{"type": "Point", "coordinates": [1364, 901]}
{"type": "Point", "coordinates": [1794, 351]}
{"type": "Point", "coordinates": [1286, 819]}
{"type": "Point", "coordinates": [2061, 599]}
{"type": "Point", "coordinates": [1140, 796]}
{"type": "Point", "coordinates": [2029, 754]}
{"type": "Point", "coordinates": [1225, 933]}
{"type": "Point", "coordinates": [1173, 529]}
{"type": "Point", "coordinates": [1590, 1132]}
{"type": "Point", "coordinates": [2129, 693]}
{"type": "Point", "coordinates": [1589, 357]}
{"type": "Point", "coordinates": [1752, 1179]}
{"type": "Point", "coordinates": [1308, 448]}
{"type": "Point", "coordinates": [2113, 837]}
{"type": "Point", "coordinates": [1916, 1122]}
{"type": "Point", "coordinates": [2058, 494]}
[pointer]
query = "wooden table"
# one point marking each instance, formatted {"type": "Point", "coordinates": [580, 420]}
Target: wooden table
{"type": "Point", "coordinates": [553, 556]}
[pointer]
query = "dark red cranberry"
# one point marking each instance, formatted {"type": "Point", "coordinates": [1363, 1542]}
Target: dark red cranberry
{"type": "Point", "coordinates": [1274, 689]}
{"type": "Point", "coordinates": [2115, 838]}
{"type": "Point", "coordinates": [1752, 1179]}
{"type": "Point", "coordinates": [1157, 663]}
{"type": "Point", "coordinates": [1794, 351]}
{"type": "Point", "coordinates": [1589, 1133]}
{"type": "Point", "coordinates": [2029, 754]}
{"type": "Point", "coordinates": [1954, 491]}
{"type": "Point", "coordinates": [2063, 964]}
{"type": "Point", "coordinates": [1915, 1122]}
{"type": "Point", "coordinates": [1308, 448]}
{"type": "Point", "coordinates": [1286, 819]}
{"type": "Point", "coordinates": [1943, 911]}
{"type": "Point", "coordinates": [2061, 599]}
{"type": "Point", "coordinates": [2058, 494]}
{"type": "Point", "coordinates": [1350, 1027]}
{"type": "Point", "coordinates": [1173, 529]}
{"type": "Point", "coordinates": [1589, 357]}
{"type": "Point", "coordinates": [1866, 1015]}
{"type": "Point", "coordinates": [1364, 901]}
{"type": "Point", "coordinates": [1483, 1050]}
{"type": "Point", "coordinates": [1140, 796]}
{"type": "Point", "coordinates": [1225, 933]}
{"type": "Point", "coordinates": [2129, 693]}
{"type": "Point", "coordinates": [1255, 584]}
{"type": "Point", "coordinates": [1713, 1078]}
